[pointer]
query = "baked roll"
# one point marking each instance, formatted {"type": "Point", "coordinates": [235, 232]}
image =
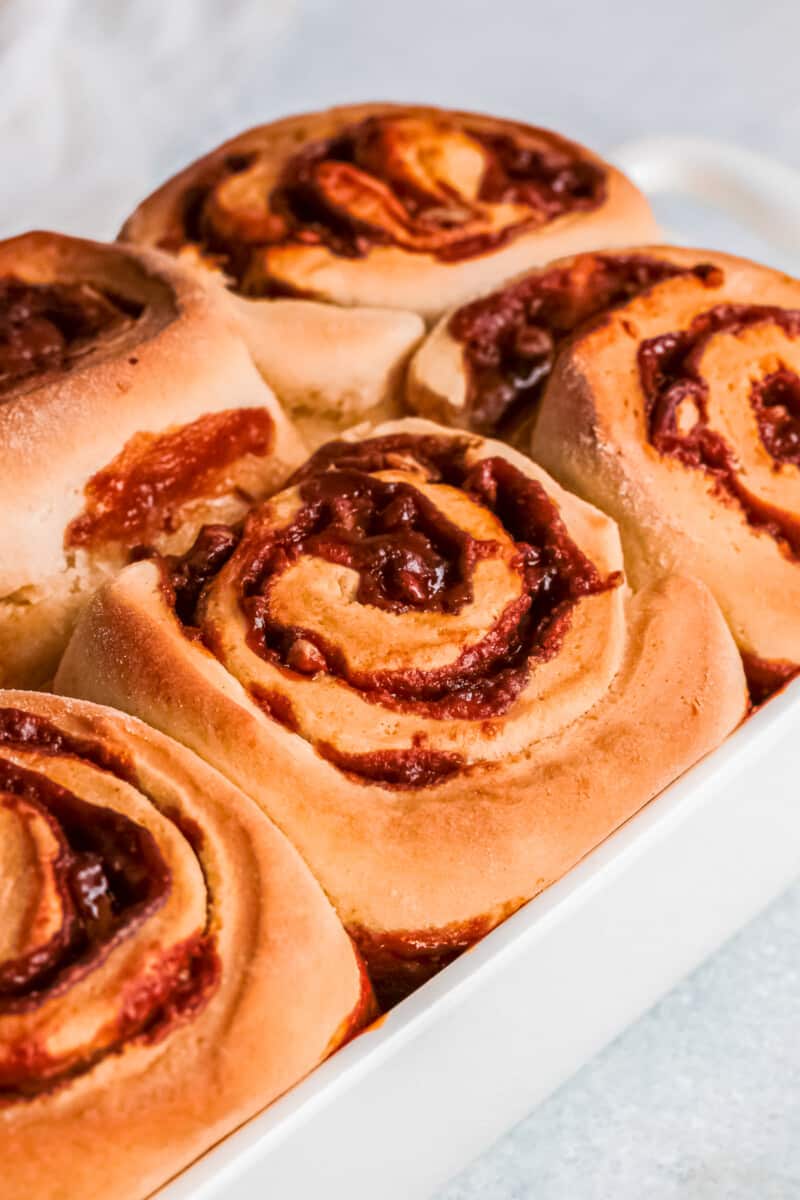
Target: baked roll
{"type": "Point", "coordinates": [679, 414]}
{"type": "Point", "coordinates": [422, 659]}
{"type": "Point", "coordinates": [377, 207]}
{"type": "Point", "coordinates": [485, 365]}
{"type": "Point", "coordinates": [168, 965]}
{"type": "Point", "coordinates": [130, 414]}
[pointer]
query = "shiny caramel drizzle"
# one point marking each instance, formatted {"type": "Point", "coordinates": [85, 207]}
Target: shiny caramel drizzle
{"type": "Point", "coordinates": [676, 408]}
{"type": "Point", "coordinates": [140, 493]}
{"type": "Point", "coordinates": [426, 184]}
{"type": "Point", "coordinates": [401, 961]}
{"type": "Point", "coordinates": [511, 338]}
{"type": "Point", "coordinates": [111, 878]}
{"type": "Point", "coordinates": [49, 326]}
{"type": "Point", "coordinates": [765, 677]}
{"type": "Point", "coordinates": [408, 557]}
{"type": "Point", "coordinates": [776, 403]}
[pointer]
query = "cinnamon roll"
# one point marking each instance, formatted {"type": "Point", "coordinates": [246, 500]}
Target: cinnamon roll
{"type": "Point", "coordinates": [130, 414]}
{"type": "Point", "coordinates": [679, 414]}
{"type": "Point", "coordinates": [168, 965]}
{"type": "Point", "coordinates": [422, 659]}
{"type": "Point", "coordinates": [336, 231]}
{"type": "Point", "coordinates": [485, 365]}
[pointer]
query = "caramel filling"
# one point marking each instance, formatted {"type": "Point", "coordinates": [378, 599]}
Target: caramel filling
{"type": "Point", "coordinates": [429, 185]}
{"type": "Point", "coordinates": [50, 326]}
{"type": "Point", "coordinates": [141, 492]}
{"type": "Point", "coordinates": [676, 407]}
{"type": "Point", "coordinates": [401, 961]}
{"type": "Point", "coordinates": [408, 557]}
{"type": "Point", "coordinates": [511, 337]}
{"type": "Point", "coordinates": [776, 403]}
{"type": "Point", "coordinates": [767, 676]}
{"type": "Point", "coordinates": [99, 877]}
{"type": "Point", "coordinates": [107, 869]}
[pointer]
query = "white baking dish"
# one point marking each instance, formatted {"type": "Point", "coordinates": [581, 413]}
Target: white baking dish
{"type": "Point", "coordinates": [412, 1100]}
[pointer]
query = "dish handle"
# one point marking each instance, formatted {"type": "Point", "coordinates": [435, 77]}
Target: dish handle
{"type": "Point", "coordinates": [760, 192]}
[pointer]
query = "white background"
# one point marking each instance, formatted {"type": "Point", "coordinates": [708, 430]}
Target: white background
{"type": "Point", "coordinates": [701, 1098]}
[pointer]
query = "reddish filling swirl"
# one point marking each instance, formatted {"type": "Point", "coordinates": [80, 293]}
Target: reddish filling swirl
{"type": "Point", "coordinates": [416, 767]}
{"type": "Point", "coordinates": [550, 179]}
{"type": "Point", "coordinates": [111, 877]}
{"type": "Point", "coordinates": [676, 407]}
{"type": "Point", "coordinates": [776, 403]}
{"type": "Point", "coordinates": [767, 676]}
{"type": "Point", "coordinates": [140, 493]}
{"type": "Point", "coordinates": [21, 728]}
{"type": "Point", "coordinates": [47, 326]}
{"type": "Point", "coordinates": [511, 337]}
{"type": "Point", "coordinates": [400, 962]}
{"type": "Point", "coordinates": [309, 205]}
{"type": "Point", "coordinates": [408, 557]}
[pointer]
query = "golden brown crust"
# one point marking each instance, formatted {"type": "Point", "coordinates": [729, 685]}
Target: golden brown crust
{"type": "Point", "coordinates": [285, 983]}
{"type": "Point", "coordinates": [642, 685]}
{"type": "Point", "coordinates": [330, 366]}
{"type": "Point", "coordinates": [428, 146]}
{"type": "Point", "coordinates": [693, 484]}
{"type": "Point", "coordinates": [413, 234]}
{"type": "Point", "coordinates": [485, 365]}
{"type": "Point", "coordinates": [162, 390]}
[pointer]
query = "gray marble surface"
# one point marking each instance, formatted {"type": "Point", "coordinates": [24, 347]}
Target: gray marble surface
{"type": "Point", "coordinates": [701, 1098]}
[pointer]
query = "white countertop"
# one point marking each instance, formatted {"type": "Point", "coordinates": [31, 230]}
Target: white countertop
{"type": "Point", "coordinates": [701, 1098]}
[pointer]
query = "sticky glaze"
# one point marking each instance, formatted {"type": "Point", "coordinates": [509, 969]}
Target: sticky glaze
{"type": "Point", "coordinates": [416, 767]}
{"type": "Point", "coordinates": [387, 180]}
{"type": "Point", "coordinates": [511, 338]}
{"type": "Point", "coordinates": [776, 404]}
{"type": "Point", "coordinates": [400, 961]}
{"type": "Point", "coordinates": [676, 408]}
{"type": "Point", "coordinates": [109, 878]}
{"type": "Point", "coordinates": [766, 676]}
{"type": "Point", "coordinates": [50, 326]}
{"type": "Point", "coordinates": [140, 493]}
{"type": "Point", "coordinates": [174, 991]}
{"type": "Point", "coordinates": [110, 875]}
{"type": "Point", "coordinates": [186, 575]}
{"type": "Point", "coordinates": [408, 557]}
{"type": "Point", "coordinates": [18, 727]}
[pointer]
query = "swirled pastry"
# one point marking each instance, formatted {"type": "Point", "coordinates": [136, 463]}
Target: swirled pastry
{"type": "Point", "coordinates": [130, 414]}
{"type": "Point", "coordinates": [422, 659]}
{"type": "Point", "coordinates": [385, 213]}
{"type": "Point", "coordinates": [679, 414]}
{"type": "Point", "coordinates": [485, 365]}
{"type": "Point", "coordinates": [168, 965]}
